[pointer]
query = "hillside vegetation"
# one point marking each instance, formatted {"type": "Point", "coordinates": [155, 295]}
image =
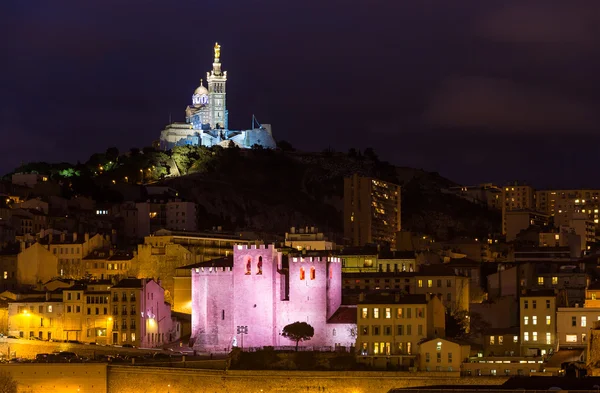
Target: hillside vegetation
{"type": "Point", "coordinates": [272, 190]}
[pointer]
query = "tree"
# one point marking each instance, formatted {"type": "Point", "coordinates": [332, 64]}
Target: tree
{"type": "Point", "coordinates": [298, 331]}
{"type": "Point", "coordinates": [285, 146]}
{"type": "Point", "coordinates": [112, 153]}
{"type": "Point", "coordinates": [370, 154]}
{"type": "Point", "coordinates": [7, 383]}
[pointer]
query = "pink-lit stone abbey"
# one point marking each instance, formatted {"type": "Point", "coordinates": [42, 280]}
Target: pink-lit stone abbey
{"type": "Point", "coordinates": [259, 291]}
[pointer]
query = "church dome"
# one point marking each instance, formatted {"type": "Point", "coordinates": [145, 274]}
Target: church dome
{"type": "Point", "coordinates": [201, 90]}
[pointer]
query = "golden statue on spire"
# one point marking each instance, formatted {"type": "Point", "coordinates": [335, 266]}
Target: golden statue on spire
{"type": "Point", "coordinates": [217, 50]}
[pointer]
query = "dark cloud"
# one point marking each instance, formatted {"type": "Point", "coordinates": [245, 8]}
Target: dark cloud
{"type": "Point", "coordinates": [575, 23]}
{"type": "Point", "coordinates": [503, 105]}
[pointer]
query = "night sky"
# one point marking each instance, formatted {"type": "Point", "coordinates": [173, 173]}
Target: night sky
{"type": "Point", "coordinates": [476, 90]}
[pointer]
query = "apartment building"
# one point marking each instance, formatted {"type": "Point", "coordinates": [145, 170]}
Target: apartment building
{"type": "Point", "coordinates": [71, 248]}
{"type": "Point", "coordinates": [141, 317]}
{"type": "Point", "coordinates": [307, 238]}
{"type": "Point", "coordinates": [108, 264]}
{"type": "Point", "coordinates": [516, 196]}
{"type": "Point", "coordinates": [514, 221]}
{"type": "Point", "coordinates": [453, 288]}
{"type": "Point", "coordinates": [371, 211]}
{"type": "Point", "coordinates": [552, 202]}
{"type": "Point", "coordinates": [573, 326]}
{"type": "Point", "coordinates": [36, 315]}
{"type": "Point", "coordinates": [502, 342]}
{"type": "Point", "coordinates": [131, 312]}
{"type": "Point", "coordinates": [538, 322]}
{"type": "Point", "coordinates": [390, 325]}
{"type": "Point", "coordinates": [438, 354]}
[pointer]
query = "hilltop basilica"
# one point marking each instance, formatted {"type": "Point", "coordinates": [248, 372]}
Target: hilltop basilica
{"type": "Point", "coordinates": [206, 120]}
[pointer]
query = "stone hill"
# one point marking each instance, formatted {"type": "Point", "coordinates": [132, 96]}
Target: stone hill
{"type": "Point", "coordinates": [271, 191]}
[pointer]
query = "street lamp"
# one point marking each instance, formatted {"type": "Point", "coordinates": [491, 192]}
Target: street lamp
{"type": "Point", "coordinates": [242, 330]}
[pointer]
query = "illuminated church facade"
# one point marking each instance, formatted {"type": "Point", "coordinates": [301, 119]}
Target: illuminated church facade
{"type": "Point", "coordinates": [207, 118]}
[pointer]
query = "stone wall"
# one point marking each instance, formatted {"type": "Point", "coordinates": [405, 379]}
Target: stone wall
{"type": "Point", "coordinates": [43, 378]}
{"type": "Point", "coordinates": [130, 379]}
{"type": "Point", "coordinates": [100, 378]}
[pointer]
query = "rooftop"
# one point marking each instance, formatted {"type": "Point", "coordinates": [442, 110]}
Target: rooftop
{"type": "Point", "coordinates": [132, 283]}
{"type": "Point", "coordinates": [539, 293]}
{"type": "Point", "coordinates": [388, 297]}
{"type": "Point", "coordinates": [344, 314]}
{"type": "Point", "coordinates": [218, 262]}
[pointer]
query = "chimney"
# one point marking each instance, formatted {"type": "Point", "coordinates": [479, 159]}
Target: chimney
{"type": "Point", "coordinates": [50, 238]}
{"type": "Point", "coordinates": [397, 297]}
{"type": "Point", "coordinates": [86, 237]}
{"type": "Point", "coordinates": [62, 237]}
{"type": "Point", "coordinates": [74, 237]}
{"type": "Point", "coordinates": [47, 296]}
{"type": "Point", "coordinates": [361, 297]}
{"type": "Point", "coordinates": [22, 246]}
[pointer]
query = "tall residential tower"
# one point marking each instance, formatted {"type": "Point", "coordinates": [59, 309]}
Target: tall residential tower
{"type": "Point", "coordinates": [371, 210]}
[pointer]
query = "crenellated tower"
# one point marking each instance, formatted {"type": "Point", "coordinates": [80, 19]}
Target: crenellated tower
{"type": "Point", "coordinates": [217, 80]}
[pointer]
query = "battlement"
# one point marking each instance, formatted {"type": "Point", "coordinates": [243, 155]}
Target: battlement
{"type": "Point", "coordinates": [212, 269]}
{"type": "Point", "coordinates": [255, 247]}
{"type": "Point", "coordinates": [316, 259]}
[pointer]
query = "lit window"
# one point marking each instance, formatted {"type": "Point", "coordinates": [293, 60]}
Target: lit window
{"type": "Point", "coordinates": [312, 273]}
{"type": "Point", "coordinates": [259, 266]}
{"type": "Point", "coordinates": [429, 283]}
{"type": "Point", "coordinates": [583, 321]}
{"type": "Point", "coordinates": [420, 283]}
{"type": "Point", "coordinates": [249, 268]}
{"type": "Point", "coordinates": [571, 338]}
{"type": "Point", "coordinates": [540, 280]}
{"type": "Point", "coordinates": [49, 308]}
{"type": "Point", "coordinates": [439, 346]}
{"type": "Point", "coordinates": [302, 274]}
{"type": "Point", "coordinates": [534, 320]}
{"type": "Point", "coordinates": [515, 339]}
{"type": "Point", "coordinates": [525, 320]}
{"type": "Point", "coordinates": [500, 340]}
{"type": "Point", "coordinates": [5, 275]}
{"type": "Point", "coordinates": [554, 280]}
{"type": "Point", "coordinates": [526, 336]}
{"type": "Point", "coordinates": [388, 313]}
{"type": "Point", "coordinates": [492, 340]}
{"type": "Point", "coordinates": [399, 313]}
{"type": "Point", "coordinates": [534, 336]}
{"type": "Point", "coordinates": [548, 320]}
{"type": "Point", "coordinates": [375, 313]}
{"type": "Point", "coordinates": [364, 313]}
{"type": "Point", "coordinates": [548, 338]}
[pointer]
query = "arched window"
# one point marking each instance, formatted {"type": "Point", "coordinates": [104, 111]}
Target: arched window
{"type": "Point", "coordinates": [249, 266]}
{"type": "Point", "coordinates": [302, 274]}
{"type": "Point", "coordinates": [259, 266]}
{"type": "Point", "coordinates": [312, 273]}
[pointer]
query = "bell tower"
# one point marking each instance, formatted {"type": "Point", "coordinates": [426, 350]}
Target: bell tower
{"type": "Point", "coordinates": [216, 93]}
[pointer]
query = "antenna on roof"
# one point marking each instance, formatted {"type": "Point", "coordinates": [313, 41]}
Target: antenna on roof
{"type": "Point", "coordinates": [255, 123]}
